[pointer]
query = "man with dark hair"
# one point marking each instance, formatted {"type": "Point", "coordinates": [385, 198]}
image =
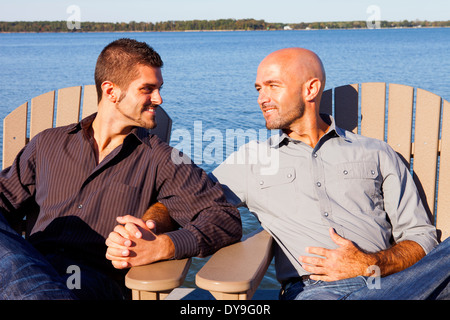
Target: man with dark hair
{"type": "Point", "coordinates": [118, 63]}
{"type": "Point", "coordinates": [84, 176]}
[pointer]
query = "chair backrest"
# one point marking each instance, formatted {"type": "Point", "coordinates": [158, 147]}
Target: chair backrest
{"type": "Point", "coordinates": [17, 131]}
{"type": "Point", "coordinates": [415, 123]}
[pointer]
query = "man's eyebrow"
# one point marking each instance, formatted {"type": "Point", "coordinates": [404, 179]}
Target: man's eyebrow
{"type": "Point", "coordinates": [271, 81]}
{"type": "Point", "coordinates": [152, 85]}
{"type": "Point", "coordinates": [268, 82]}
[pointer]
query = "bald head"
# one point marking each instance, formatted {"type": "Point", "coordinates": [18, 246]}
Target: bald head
{"type": "Point", "coordinates": [298, 63]}
{"type": "Point", "coordinates": [290, 84]}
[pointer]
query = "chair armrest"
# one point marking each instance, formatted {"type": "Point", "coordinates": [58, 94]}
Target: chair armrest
{"type": "Point", "coordinates": [155, 281]}
{"type": "Point", "coordinates": [234, 272]}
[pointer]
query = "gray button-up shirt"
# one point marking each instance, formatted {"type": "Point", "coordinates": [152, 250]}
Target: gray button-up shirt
{"type": "Point", "coordinates": [357, 185]}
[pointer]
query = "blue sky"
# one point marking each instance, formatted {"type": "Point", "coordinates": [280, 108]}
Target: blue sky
{"type": "Point", "coordinates": [287, 11]}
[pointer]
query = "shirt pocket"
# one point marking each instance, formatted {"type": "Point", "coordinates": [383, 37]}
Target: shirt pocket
{"type": "Point", "coordinates": [123, 199]}
{"type": "Point", "coordinates": [273, 190]}
{"type": "Point", "coordinates": [359, 186]}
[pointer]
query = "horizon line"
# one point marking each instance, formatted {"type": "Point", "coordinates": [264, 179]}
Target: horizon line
{"type": "Point", "coordinates": [236, 19]}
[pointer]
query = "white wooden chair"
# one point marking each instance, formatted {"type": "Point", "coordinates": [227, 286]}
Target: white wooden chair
{"type": "Point", "coordinates": [151, 282]}
{"type": "Point", "coordinates": [418, 129]}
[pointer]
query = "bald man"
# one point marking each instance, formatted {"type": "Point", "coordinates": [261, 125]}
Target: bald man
{"type": "Point", "coordinates": [340, 206]}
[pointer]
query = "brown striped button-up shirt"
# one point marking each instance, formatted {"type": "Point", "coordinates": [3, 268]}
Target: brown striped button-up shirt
{"type": "Point", "coordinates": [79, 200]}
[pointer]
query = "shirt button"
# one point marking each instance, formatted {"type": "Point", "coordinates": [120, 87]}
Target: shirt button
{"type": "Point", "coordinates": [261, 182]}
{"type": "Point", "coordinates": [325, 214]}
{"type": "Point", "coordinates": [80, 206]}
{"type": "Point", "coordinates": [345, 172]}
{"type": "Point", "coordinates": [289, 175]}
{"type": "Point", "coordinates": [315, 155]}
{"type": "Point", "coordinates": [372, 172]}
{"type": "Point", "coordinates": [319, 184]}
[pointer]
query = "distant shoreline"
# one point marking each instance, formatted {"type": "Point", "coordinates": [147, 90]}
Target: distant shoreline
{"type": "Point", "coordinates": [165, 31]}
{"type": "Point", "coordinates": [221, 25]}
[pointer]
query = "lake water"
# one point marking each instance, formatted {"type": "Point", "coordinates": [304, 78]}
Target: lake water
{"type": "Point", "coordinates": [209, 76]}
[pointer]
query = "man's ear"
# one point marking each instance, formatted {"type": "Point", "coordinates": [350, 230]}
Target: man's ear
{"type": "Point", "coordinates": [110, 91]}
{"type": "Point", "coordinates": [312, 89]}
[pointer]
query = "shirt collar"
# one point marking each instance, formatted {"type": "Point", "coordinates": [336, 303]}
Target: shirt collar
{"type": "Point", "coordinates": [139, 133]}
{"type": "Point", "coordinates": [83, 124]}
{"type": "Point", "coordinates": [333, 130]}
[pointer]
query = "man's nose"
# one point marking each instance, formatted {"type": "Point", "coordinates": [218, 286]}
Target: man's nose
{"type": "Point", "coordinates": [156, 97]}
{"type": "Point", "coordinates": [263, 97]}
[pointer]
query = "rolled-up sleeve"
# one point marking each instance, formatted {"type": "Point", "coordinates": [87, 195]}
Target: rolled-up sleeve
{"type": "Point", "coordinates": [403, 205]}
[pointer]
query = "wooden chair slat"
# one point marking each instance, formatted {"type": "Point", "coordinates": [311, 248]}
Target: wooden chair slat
{"type": "Point", "coordinates": [68, 108]}
{"type": "Point", "coordinates": [163, 125]}
{"type": "Point", "coordinates": [426, 142]}
{"type": "Point", "coordinates": [373, 109]}
{"type": "Point", "coordinates": [89, 100]}
{"type": "Point", "coordinates": [326, 103]}
{"type": "Point", "coordinates": [400, 112]}
{"type": "Point", "coordinates": [443, 203]}
{"type": "Point", "coordinates": [14, 134]}
{"type": "Point", "coordinates": [42, 110]}
{"type": "Point", "coordinates": [346, 103]}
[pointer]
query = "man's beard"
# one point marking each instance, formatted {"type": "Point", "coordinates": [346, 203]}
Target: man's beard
{"type": "Point", "coordinates": [284, 122]}
{"type": "Point", "coordinates": [139, 121]}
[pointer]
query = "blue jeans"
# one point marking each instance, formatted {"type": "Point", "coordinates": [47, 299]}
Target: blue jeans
{"type": "Point", "coordinates": [428, 279]}
{"type": "Point", "coordinates": [25, 274]}
{"type": "Point", "coordinates": [322, 290]}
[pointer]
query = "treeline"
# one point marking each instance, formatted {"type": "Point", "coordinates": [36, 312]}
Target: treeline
{"type": "Point", "coordinates": [199, 25]}
{"type": "Point", "coordinates": [363, 24]}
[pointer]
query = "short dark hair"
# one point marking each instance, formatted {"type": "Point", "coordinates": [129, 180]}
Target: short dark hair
{"type": "Point", "coordinates": [119, 60]}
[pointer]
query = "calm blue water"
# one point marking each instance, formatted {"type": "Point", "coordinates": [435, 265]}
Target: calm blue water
{"type": "Point", "coordinates": [209, 76]}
